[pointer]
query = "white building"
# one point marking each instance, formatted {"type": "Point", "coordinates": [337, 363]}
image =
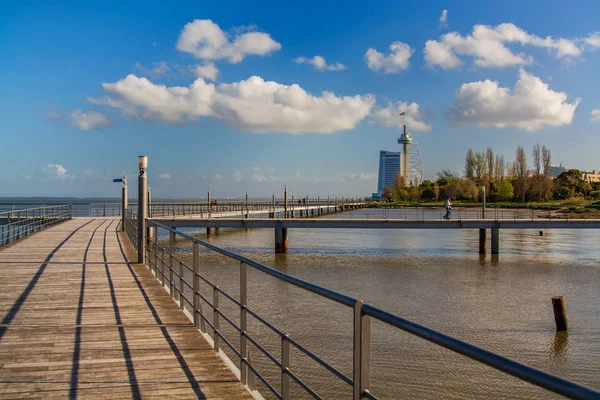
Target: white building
{"type": "Point", "coordinates": [389, 166]}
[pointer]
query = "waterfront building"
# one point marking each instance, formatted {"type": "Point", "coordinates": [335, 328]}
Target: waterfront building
{"type": "Point", "coordinates": [590, 176]}
{"type": "Point", "coordinates": [389, 166]}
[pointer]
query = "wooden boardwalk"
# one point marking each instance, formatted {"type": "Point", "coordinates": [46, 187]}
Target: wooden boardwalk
{"type": "Point", "coordinates": [78, 320]}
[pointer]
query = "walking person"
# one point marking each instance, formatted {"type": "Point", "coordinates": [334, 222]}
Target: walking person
{"type": "Point", "coordinates": [448, 206]}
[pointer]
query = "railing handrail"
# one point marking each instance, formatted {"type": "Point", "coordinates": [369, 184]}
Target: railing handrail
{"type": "Point", "coordinates": [24, 222]}
{"type": "Point", "coordinates": [514, 368]}
{"type": "Point", "coordinates": [33, 208]}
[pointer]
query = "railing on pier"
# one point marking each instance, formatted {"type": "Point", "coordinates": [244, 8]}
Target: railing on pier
{"type": "Point", "coordinates": [171, 271]}
{"type": "Point", "coordinates": [18, 224]}
{"type": "Point", "coordinates": [112, 209]}
{"type": "Point", "coordinates": [222, 208]}
{"type": "Point", "coordinates": [131, 227]}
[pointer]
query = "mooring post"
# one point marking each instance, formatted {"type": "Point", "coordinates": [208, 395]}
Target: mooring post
{"type": "Point", "coordinates": [482, 241]}
{"type": "Point", "coordinates": [124, 204]}
{"type": "Point", "coordinates": [560, 313]}
{"type": "Point", "coordinates": [495, 240]}
{"type": "Point", "coordinates": [483, 202]}
{"type": "Point", "coordinates": [142, 192]}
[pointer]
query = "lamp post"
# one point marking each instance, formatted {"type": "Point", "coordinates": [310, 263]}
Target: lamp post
{"type": "Point", "coordinates": [142, 207]}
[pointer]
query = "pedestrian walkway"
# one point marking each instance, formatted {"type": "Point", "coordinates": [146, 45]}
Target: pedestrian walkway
{"type": "Point", "coordinates": [79, 320]}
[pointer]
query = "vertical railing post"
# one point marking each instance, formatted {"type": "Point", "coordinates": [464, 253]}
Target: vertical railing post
{"type": "Point", "coordinates": [243, 324]}
{"type": "Point", "coordinates": [285, 367]}
{"type": "Point", "coordinates": [285, 202]}
{"type": "Point", "coordinates": [123, 204]}
{"type": "Point", "coordinates": [171, 262]}
{"type": "Point", "coordinates": [196, 284]}
{"type": "Point", "coordinates": [216, 318]}
{"type": "Point", "coordinates": [142, 208]}
{"type": "Point", "coordinates": [181, 287]}
{"type": "Point", "coordinates": [362, 351]}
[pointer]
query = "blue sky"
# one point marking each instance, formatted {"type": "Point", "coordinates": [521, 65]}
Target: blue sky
{"type": "Point", "coordinates": [87, 87]}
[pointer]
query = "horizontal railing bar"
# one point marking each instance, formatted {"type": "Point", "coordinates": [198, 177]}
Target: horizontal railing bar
{"type": "Point", "coordinates": [262, 378]}
{"type": "Point", "coordinates": [264, 322]}
{"type": "Point", "coordinates": [263, 350]}
{"type": "Point", "coordinates": [524, 372]}
{"type": "Point", "coordinates": [320, 362]}
{"type": "Point", "coordinates": [232, 299]}
{"type": "Point", "coordinates": [232, 347]}
{"type": "Point", "coordinates": [368, 395]}
{"type": "Point", "coordinates": [303, 385]}
{"type": "Point", "coordinates": [330, 294]}
{"type": "Point", "coordinates": [237, 328]}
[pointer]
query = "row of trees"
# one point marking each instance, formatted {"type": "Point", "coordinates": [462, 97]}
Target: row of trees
{"type": "Point", "coordinates": [503, 180]}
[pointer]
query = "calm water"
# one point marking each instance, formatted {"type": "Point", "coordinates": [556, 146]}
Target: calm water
{"type": "Point", "coordinates": [435, 278]}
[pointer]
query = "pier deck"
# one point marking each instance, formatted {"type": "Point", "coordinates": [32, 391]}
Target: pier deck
{"type": "Point", "coordinates": [79, 320]}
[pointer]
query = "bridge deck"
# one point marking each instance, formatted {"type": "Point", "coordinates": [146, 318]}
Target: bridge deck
{"type": "Point", "coordinates": [78, 320]}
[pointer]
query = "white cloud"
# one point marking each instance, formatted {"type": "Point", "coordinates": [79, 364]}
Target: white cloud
{"type": "Point", "coordinates": [396, 61]}
{"type": "Point", "coordinates": [164, 175]}
{"type": "Point", "coordinates": [54, 171]}
{"type": "Point", "coordinates": [390, 116]}
{"type": "Point", "coordinates": [205, 40]}
{"type": "Point", "coordinates": [320, 64]}
{"type": "Point", "coordinates": [595, 116]}
{"type": "Point", "coordinates": [207, 71]}
{"type": "Point", "coordinates": [259, 177]}
{"type": "Point", "coordinates": [487, 45]}
{"type": "Point", "coordinates": [593, 40]}
{"type": "Point", "coordinates": [444, 18]}
{"type": "Point", "coordinates": [529, 106]}
{"type": "Point", "coordinates": [217, 177]}
{"type": "Point", "coordinates": [90, 120]}
{"type": "Point", "coordinates": [363, 177]}
{"type": "Point", "coordinates": [237, 175]}
{"type": "Point", "coordinates": [160, 69]}
{"type": "Point", "coordinates": [253, 104]}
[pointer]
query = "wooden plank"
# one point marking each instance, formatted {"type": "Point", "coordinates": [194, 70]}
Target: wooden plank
{"type": "Point", "coordinates": [105, 329]}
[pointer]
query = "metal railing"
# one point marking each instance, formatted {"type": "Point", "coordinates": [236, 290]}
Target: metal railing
{"type": "Point", "coordinates": [17, 224]}
{"type": "Point", "coordinates": [131, 227]}
{"type": "Point", "coordinates": [232, 208]}
{"type": "Point", "coordinates": [458, 214]}
{"type": "Point", "coordinates": [171, 271]}
{"type": "Point", "coordinates": [111, 209]}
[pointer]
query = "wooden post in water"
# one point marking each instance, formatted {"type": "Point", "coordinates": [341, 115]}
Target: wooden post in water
{"type": "Point", "coordinates": [281, 240]}
{"type": "Point", "coordinates": [560, 313]}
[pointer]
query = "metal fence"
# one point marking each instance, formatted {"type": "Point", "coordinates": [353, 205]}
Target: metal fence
{"type": "Point", "coordinates": [111, 209]}
{"type": "Point", "coordinates": [18, 224]}
{"type": "Point", "coordinates": [171, 271]}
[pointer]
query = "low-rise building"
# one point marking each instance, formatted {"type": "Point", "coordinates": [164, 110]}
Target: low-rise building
{"type": "Point", "coordinates": [590, 176]}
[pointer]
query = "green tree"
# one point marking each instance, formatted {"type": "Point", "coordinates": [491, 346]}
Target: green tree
{"type": "Point", "coordinates": [505, 190]}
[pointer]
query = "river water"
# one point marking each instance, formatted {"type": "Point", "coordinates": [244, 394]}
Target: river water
{"type": "Point", "coordinates": [432, 277]}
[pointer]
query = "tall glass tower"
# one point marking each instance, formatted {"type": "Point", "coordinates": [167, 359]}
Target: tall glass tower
{"type": "Point", "coordinates": [389, 166]}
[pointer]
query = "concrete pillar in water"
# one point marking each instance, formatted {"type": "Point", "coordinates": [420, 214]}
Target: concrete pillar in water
{"type": "Point", "coordinates": [281, 240]}
{"type": "Point", "coordinates": [142, 208]}
{"type": "Point", "coordinates": [495, 240]}
{"type": "Point", "coordinates": [482, 241]}
{"type": "Point", "coordinates": [209, 231]}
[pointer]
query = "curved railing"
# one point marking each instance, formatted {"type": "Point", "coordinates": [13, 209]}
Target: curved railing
{"type": "Point", "coordinates": [171, 271]}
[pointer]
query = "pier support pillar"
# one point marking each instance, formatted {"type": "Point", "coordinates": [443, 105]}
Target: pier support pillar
{"type": "Point", "coordinates": [495, 240]}
{"type": "Point", "coordinates": [142, 208]}
{"type": "Point", "coordinates": [281, 240]}
{"type": "Point", "coordinates": [482, 241]}
{"type": "Point", "coordinates": [209, 231]}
